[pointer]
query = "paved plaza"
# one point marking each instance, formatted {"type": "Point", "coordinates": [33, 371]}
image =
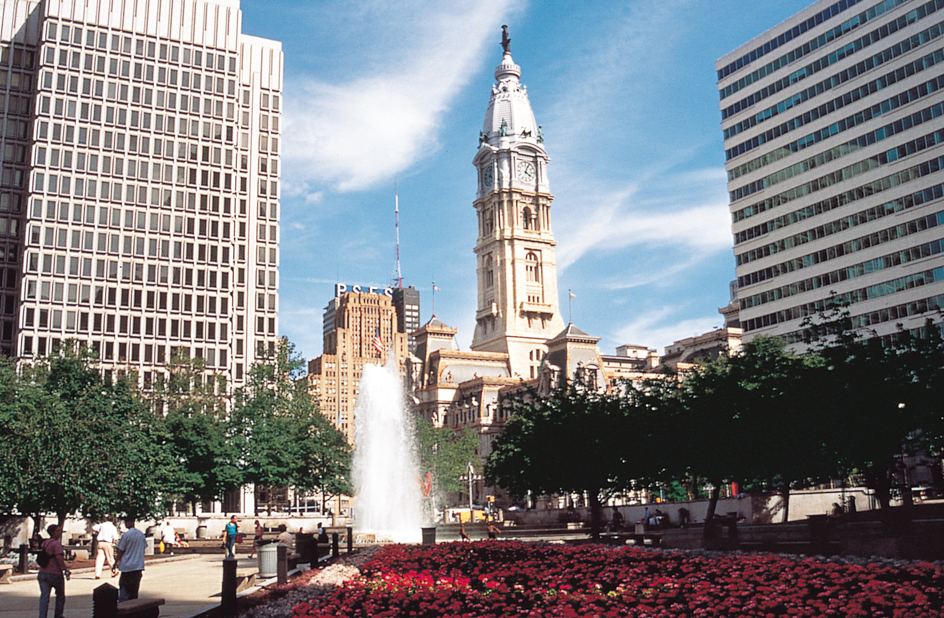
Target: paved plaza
{"type": "Point", "coordinates": [189, 584]}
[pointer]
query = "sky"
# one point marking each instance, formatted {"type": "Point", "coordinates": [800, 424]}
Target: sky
{"type": "Point", "coordinates": [381, 94]}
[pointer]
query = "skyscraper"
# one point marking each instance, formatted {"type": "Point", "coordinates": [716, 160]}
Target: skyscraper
{"type": "Point", "coordinates": [832, 133]}
{"type": "Point", "coordinates": [140, 182]}
{"type": "Point", "coordinates": [360, 328]}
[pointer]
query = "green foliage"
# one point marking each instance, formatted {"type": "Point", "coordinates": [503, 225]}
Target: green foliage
{"type": "Point", "coordinates": [74, 442]}
{"type": "Point", "coordinates": [283, 438]}
{"type": "Point", "coordinates": [198, 432]}
{"type": "Point", "coordinates": [444, 454]}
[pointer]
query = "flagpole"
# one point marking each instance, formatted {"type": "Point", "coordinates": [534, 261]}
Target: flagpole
{"type": "Point", "coordinates": [434, 299]}
{"type": "Point", "coordinates": [570, 306]}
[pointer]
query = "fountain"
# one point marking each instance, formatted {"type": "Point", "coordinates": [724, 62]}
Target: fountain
{"type": "Point", "coordinates": [387, 494]}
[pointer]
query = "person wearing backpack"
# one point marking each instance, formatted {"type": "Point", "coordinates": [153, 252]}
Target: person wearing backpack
{"type": "Point", "coordinates": [52, 572]}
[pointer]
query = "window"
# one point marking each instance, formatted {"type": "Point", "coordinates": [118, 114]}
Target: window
{"type": "Point", "coordinates": [531, 268]}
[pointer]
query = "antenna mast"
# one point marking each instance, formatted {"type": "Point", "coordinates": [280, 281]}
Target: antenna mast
{"type": "Point", "coordinates": [398, 279]}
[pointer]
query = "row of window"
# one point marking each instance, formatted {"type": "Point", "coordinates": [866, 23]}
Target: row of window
{"type": "Point", "coordinates": [828, 229]}
{"type": "Point", "coordinates": [135, 352]}
{"type": "Point", "coordinates": [15, 80]}
{"type": "Point", "coordinates": [834, 277]}
{"type": "Point", "coordinates": [126, 298]}
{"type": "Point", "coordinates": [49, 264]}
{"type": "Point", "coordinates": [145, 48]}
{"type": "Point", "coordinates": [851, 48]}
{"type": "Point", "coordinates": [904, 176]}
{"type": "Point", "coordinates": [810, 46]}
{"type": "Point", "coordinates": [879, 109]}
{"type": "Point", "coordinates": [850, 298]}
{"type": "Point", "coordinates": [110, 323]}
{"type": "Point", "coordinates": [149, 220]}
{"type": "Point", "coordinates": [907, 149]}
{"type": "Point", "coordinates": [904, 311]}
{"type": "Point", "coordinates": [871, 87]}
{"type": "Point", "coordinates": [786, 37]}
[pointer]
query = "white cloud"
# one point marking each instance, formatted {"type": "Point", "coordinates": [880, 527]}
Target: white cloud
{"type": "Point", "coordinates": [655, 329]}
{"type": "Point", "coordinates": [356, 134]}
{"type": "Point", "coordinates": [619, 220]}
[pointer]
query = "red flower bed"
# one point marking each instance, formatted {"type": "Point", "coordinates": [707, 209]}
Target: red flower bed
{"type": "Point", "coordinates": [511, 578]}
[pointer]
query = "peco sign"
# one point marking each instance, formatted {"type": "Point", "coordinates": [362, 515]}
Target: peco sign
{"type": "Point", "coordinates": [342, 288]}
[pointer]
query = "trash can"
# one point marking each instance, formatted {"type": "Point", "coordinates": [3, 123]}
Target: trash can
{"type": "Point", "coordinates": [201, 531]}
{"type": "Point", "coordinates": [303, 546]}
{"type": "Point", "coordinates": [149, 546]}
{"type": "Point", "coordinates": [429, 536]}
{"type": "Point", "coordinates": [268, 564]}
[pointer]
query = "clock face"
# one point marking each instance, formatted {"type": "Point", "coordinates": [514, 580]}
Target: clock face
{"type": "Point", "coordinates": [488, 176]}
{"type": "Point", "coordinates": [526, 171]}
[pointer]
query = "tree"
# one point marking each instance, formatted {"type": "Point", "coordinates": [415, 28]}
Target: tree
{"type": "Point", "coordinates": [880, 396]}
{"type": "Point", "coordinates": [444, 456]}
{"type": "Point", "coordinates": [79, 443]}
{"type": "Point", "coordinates": [200, 435]}
{"type": "Point", "coordinates": [574, 441]}
{"type": "Point", "coordinates": [283, 438]}
{"type": "Point", "coordinates": [758, 406]}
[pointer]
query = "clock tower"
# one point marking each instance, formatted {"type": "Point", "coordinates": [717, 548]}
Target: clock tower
{"type": "Point", "coordinates": [517, 275]}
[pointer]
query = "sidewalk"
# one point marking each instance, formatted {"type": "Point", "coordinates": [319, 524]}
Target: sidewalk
{"type": "Point", "coordinates": [189, 585]}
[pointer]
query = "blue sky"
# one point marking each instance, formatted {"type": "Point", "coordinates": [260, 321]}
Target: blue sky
{"type": "Point", "coordinates": [377, 90]}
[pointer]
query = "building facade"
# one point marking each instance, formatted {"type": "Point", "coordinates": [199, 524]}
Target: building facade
{"type": "Point", "coordinates": [832, 127]}
{"type": "Point", "coordinates": [139, 185]}
{"type": "Point", "coordinates": [360, 328]}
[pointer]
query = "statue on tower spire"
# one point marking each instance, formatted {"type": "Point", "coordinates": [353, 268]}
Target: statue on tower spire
{"type": "Point", "coordinates": [506, 42]}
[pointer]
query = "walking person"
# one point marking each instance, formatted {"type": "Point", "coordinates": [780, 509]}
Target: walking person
{"type": "Point", "coordinates": [52, 572]}
{"type": "Point", "coordinates": [232, 529]}
{"type": "Point", "coordinates": [106, 535]}
{"type": "Point", "coordinates": [130, 561]}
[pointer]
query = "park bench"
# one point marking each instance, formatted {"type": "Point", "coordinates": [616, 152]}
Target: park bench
{"type": "Point", "coordinates": [140, 608]}
{"type": "Point", "coordinates": [637, 538]}
{"type": "Point", "coordinates": [6, 573]}
{"type": "Point", "coordinates": [245, 579]}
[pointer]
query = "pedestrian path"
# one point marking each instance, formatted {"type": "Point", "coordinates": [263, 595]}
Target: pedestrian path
{"type": "Point", "coordinates": [188, 584]}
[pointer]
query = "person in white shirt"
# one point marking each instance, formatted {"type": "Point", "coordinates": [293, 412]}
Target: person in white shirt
{"type": "Point", "coordinates": [167, 536]}
{"type": "Point", "coordinates": [130, 548]}
{"type": "Point", "coordinates": [106, 535]}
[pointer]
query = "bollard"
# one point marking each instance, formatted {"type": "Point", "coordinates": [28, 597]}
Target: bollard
{"type": "Point", "coordinates": [282, 568]}
{"type": "Point", "coordinates": [228, 596]}
{"type": "Point", "coordinates": [335, 552]}
{"type": "Point", "coordinates": [24, 559]}
{"type": "Point", "coordinates": [350, 539]}
{"type": "Point", "coordinates": [94, 554]}
{"type": "Point", "coordinates": [105, 602]}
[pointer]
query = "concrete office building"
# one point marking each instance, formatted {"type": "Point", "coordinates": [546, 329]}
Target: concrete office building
{"type": "Point", "coordinates": [832, 133]}
{"type": "Point", "coordinates": [139, 182]}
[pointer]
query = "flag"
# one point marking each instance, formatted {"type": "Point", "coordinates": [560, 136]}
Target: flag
{"type": "Point", "coordinates": [378, 343]}
{"type": "Point", "coordinates": [573, 296]}
{"type": "Point", "coordinates": [437, 289]}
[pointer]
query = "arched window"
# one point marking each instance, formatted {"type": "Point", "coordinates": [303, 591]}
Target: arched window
{"type": "Point", "coordinates": [527, 219]}
{"type": "Point", "coordinates": [489, 272]}
{"type": "Point", "coordinates": [531, 268]}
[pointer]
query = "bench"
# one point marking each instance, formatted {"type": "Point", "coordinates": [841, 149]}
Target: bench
{"type": "Point", "coordinates": [140, 608]}
{"type": "Point", "coordinates": [6, 573]}
{"type": "Point", "coordinates": [245, 578]}
{"type": "Point", "coordinates": [637, 538]}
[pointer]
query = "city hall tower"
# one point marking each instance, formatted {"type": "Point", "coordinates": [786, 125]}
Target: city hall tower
{"type": "Point", "coordinates": [517, 275]}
